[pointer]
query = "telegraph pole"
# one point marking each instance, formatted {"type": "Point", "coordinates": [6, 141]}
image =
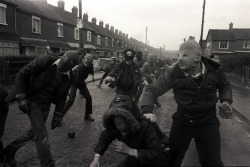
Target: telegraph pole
{"type": "Point", "coordinates": [146, 36]}
{"type": "Point", "coordinates": [80, 29]}
{"type": "Point", "coordinates": [202, 23]}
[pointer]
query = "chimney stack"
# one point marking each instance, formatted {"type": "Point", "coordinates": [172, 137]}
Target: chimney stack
{"type": "Point", "coordinates": [112, 28]}
{"type": "Point", "coordinates": [101, 23]}
{"type": "Point", "coordinates": [107, 26]}
{"type": "Point", "coordinates": [94, 20]}
{"type": "Point", "coordinates": [60, 4]}
{"type": "Point", "coordinates": [120, 32]}
{"type": "Point", "coordinates": [116, 31]}
{"type": "Point", "coordinates": [126, 35]}
{"type": "Point", "coordinates": [85, 17]}
{"type": "Point", "coordinates": [231, 26]}
{"type": "Point", "coordinates": [75, 11]}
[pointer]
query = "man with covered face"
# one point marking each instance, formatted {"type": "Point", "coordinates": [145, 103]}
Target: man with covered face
{"type": "Point", "coordinates": [195, 81]}
{"type": "Point", "coordinates": [43, 81]}
{"type": "Point", "coordinates": [125, 74]}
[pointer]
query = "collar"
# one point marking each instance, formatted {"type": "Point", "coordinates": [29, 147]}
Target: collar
{"type": "Point", "coordinates": [203, 68]}
{"type": "Point", "coordinates": [56, 63]}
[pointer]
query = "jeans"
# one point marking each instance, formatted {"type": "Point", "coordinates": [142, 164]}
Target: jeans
{"type": "Point", "coordinates": [3, 116]}
{"type": "Point", "coordinates": [37, 132]}
{"type": "Point", "coordinates": [72, 95]}
{"type": "Point", "coordinates": [206, 137]}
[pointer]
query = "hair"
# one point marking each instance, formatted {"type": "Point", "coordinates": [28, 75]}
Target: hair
{"type": "Point", "coordinates": [129, 49]}
{"type": "Point", "coordinates": [191, 45]}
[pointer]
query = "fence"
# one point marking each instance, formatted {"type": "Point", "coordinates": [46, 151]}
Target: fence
{"type": "Point", "coordinates": [10, 65]}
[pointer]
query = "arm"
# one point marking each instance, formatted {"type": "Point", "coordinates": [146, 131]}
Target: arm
{"type": "Point", "coordinates": [36, 66]}
{"type": "Point", "coordinates": [158, 88]}
{"type": "Point", "coordinates": [79, 79]}
{"type": "Point", "coordinates": [115, 70]}
{"type": "Point", "coordinates": [225, 88]}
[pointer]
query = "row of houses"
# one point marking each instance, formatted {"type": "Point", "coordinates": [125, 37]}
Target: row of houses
{"type": "Point", "coordinates": [30, 27]}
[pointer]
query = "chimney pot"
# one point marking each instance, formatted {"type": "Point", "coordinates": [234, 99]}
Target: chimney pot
{"type": "Point", "coordinates": [85, 17]}
{"type": "Point", "coordinates": [231, 26]}
{"type": "Point", "coordinates": [94, 20]}
{"type": "Point", "coordinates": [60, 4]}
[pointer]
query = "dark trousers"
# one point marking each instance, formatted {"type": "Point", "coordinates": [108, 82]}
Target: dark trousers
{"type": "Point", "coordinates": [37, 132]}
{"type": "Point", "coordinates": [206, 137]}
{"type": "Point", "coordinates": [72, 95]}
{"type": "Point", "coordinates": [103, 77]}
{"type": "Point", "coordinates": [3, 116]}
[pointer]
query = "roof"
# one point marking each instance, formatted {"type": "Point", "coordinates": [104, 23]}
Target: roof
{"type": "Point", "coordinates": [43, 9]}
{"type": "Point", "coordinates": [235, 34]}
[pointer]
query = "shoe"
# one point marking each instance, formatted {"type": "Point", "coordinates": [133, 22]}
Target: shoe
{"type": "Point", "coordinates": [89, 118]}
{"type": "Point", "coordinates": [10, 160]}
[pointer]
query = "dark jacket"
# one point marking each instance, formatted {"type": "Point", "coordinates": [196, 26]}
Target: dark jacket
{"type": "Point", "coordinates": [195, 102]}
{"type": "Point", "coordinates": [131, 72]}
{"type": "Point", "coordinates": [35, 76]}
{"type": "Point", "coordinates": [143, 137]}
{"type": "Point", "coordinates": [81, 73]}
{"type": "Point", "coordinates": [3, 94]}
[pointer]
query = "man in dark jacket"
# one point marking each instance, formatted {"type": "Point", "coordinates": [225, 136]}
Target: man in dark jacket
{"type": "Point", "coordinates": [3, 116]}
{"type": "Point", "coordinates": [43, 81]}
{"type": "Point", "coordinates": [137, 138]}
{"type": "Point", "coordinates": [81, 74]}
{"type": "Point", "coordinates": [195, 81]}
{"type": "Point", "coordinates": [127, 73]}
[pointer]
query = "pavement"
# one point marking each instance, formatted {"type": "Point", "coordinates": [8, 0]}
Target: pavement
{"type": "Point", "coordinates": [241, 96]}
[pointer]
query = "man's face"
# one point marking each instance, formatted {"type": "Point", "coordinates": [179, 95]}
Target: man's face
{"type": "Point", "coordinates": [129, 57]}
{"type": "Point", "coordinates": [188, 60]}
{"type": "Point", "coordinates": [122, 126]}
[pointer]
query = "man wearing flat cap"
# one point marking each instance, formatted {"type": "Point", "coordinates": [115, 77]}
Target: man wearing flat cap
{"type": "Point", "coordinates": [195, 81]}
{"type": "Point", "coordinates": [43, 81]}
{"type": "Point", "coordinates": [125, 74]}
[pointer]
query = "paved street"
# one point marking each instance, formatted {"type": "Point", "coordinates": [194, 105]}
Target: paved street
{"type": "Point", "coordinates": [235, 134]}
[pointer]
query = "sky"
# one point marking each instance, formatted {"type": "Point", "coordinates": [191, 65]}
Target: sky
{"type": "Point", "coordinates": [168, 22]}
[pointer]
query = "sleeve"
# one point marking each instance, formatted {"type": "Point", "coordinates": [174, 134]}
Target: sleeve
{"type": "Point", "coordinates": [225, 88]}
{"type": "Point", "coordinates": [79, 79]}
{"type": "Point", "coordinates": [106, 137]}
{"type": "Point", "coordinates": [158, 88]}
{"type": "Point", "coordinates": [23, 77]}
{"type": "Point", "coordinates": [153, 151]}
{"type": "Point", "coordinates": [115, 70]}
{"type": "Point", "coordinates": [3, 94]}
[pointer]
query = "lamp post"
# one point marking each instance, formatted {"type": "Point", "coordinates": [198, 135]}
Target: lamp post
{"type": "Point", "coordinates": [80, 29]}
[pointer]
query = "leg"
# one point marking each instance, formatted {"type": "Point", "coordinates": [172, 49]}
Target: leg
{"type": "Point", "coordinates": [88, 105]}
{"type": "Point", "coordinates": [70, 101]}
{"type": "Point", "coordinates": [3, 116]}
{"type": "Point", "coordinates": [38, 117]}
{"type": "Point", "coordinates": [179, 140]}
{"type": "Point", "coordinates": [208, 143]}
{"type": "Point", "coordinates": [103, 77]}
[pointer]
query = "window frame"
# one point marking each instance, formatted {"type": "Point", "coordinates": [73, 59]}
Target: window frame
{"type": "Point", "coordinates": [4, 6]}
{"type": "Point", "coordinates": [227, 45]}
{"type": "Point", "coordinates": [246, 44]}
{"type": "Point", "coordinates": [89, 36]}
{"type": "Point", "coordinates": [59, 25]}
{"type": "Point", "coordinates": [76, 36]}
{"type": "Point", "coordinates": [106, 41]}
{"type": "Point", "coordinates": [39, 24]}
{"type": "Point", "coordinates": [98, 40]}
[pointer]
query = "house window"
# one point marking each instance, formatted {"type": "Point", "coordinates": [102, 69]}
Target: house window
{"type": "Point", "coordinates": [60, 29]}
{"type": "Point", "coordinates": [41, 50]}
{"type": "Point", "coordinates": [98, 40]}
{"type": "Point", "coordinates": [89, 36]}
{"type": "Point", "coordinates": [36, 24]}
{"type": "Point", "coordinates": [106, 42]}
{"type": "Point", "coordinates": [113, 42]}
{"type": "Point", "coordinates": [246, 44]}
{"type": "Point", "coordinates": [76, 34]}
{"type": "Point", "coordinates": [223, 44]}
{"type": "Point", "coordinates": [3, 13]}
